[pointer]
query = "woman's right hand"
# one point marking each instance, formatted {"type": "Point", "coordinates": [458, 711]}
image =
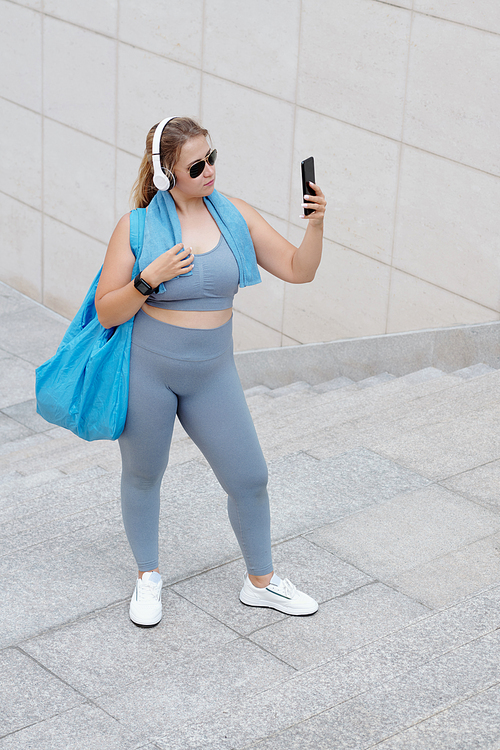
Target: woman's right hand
{"type": "Point", "coordinates": [174, 262]}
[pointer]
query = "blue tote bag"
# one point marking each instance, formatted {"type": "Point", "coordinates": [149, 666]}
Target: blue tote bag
{"type": "Point", "coordinates": [84, 386]}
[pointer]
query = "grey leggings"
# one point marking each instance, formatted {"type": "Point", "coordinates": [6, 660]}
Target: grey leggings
{"type": "Point", "coordinates": [190, 372]}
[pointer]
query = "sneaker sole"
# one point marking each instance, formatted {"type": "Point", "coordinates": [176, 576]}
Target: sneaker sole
{"type": "Point", "coordinates": [279, 607]}
{"type": "Point", "coordinates": [145, 624]}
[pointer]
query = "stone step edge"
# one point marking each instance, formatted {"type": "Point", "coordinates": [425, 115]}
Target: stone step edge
{"type": "Point", "coordinates": [449, 349]}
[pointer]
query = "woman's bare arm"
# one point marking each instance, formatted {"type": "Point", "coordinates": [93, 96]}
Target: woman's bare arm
{"type": "Point", "coordinates": [117, 299]}
{"type": "Point", "coordinates": [296, 265]}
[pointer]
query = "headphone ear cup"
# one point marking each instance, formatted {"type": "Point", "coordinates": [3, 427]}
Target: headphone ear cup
{"type": "Point", "coordinates": [164, 180]}
{"type": "Point", "coordinates": [170, 177]}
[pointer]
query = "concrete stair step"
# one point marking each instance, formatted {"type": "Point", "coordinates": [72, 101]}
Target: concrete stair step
{"type": "Point", "coordinates": [474, 371]}
{"type": "Point", "coordinates": [300, 386]}
{"type": "Point", "coordinates": [383, 377]}
{"type": "Point", "coordinates": [333, 385]}
{"type": "Point", "coordinates": [438, 399]}
{"type": "Point", "coordinates": [350, 402]}
{"type": "Point", "coordinates": [415, 668]}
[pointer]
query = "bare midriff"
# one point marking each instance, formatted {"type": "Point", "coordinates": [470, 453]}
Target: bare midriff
{"type": "Point", "coordinates": [190, 318]}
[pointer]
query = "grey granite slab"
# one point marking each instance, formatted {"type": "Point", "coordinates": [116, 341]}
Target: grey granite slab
{"type": "Point", "coordinates": [12, 454]}
{"type": "Point", "coordinates": [419, 404]}
{"type": "Point", "coordinates": [339, 625]}
{"type": "Point", "coordinates": [25, 413]}
{"type": "Point", "coordinates": [472, 724]}
{"type": "Point", "coordinates": [106, 652]}
{"type": "Point", "coordinates": [13, 484]}
{"type": "Point", "coordinates": [388, 709]}
{"type": "Point", "coordinates": [474, 371]}
{"type": "Point", "coordinates": [306, 492]}
{"type": "Point", "coordinates": [455, 575]}
{"type": "Point", "coordinates": [286, 390]}
{"type": "Point", "coordinates": [382, 377]}
{"type": "Point", "coordinates": [363, 670]}
{"type": "Point", "coordinates": [82, 728]}
{"type": "Point", "coordinates": [29, 694]}
{"type": "Point", "coordinates": [18, 490]}
{"type": "Point", "coordinates": [178, 693]}
{"type": "Point", "coordinates": [480, 485]}
{"type": "Point", "coordinates": [445, 446]}
{"type": "Point", "coordinates": [321, 575]}
{"type": "Point", "coordinates": [34, 453]}
{"type": "Point", "coordinates": [32, 336]}
{"type": "Point", "coordinates": [415, 528]}
{"type": "Point", "coordinates": [66, 495]}
{"type": "Point", "coordinates": [64, 578]}
{"type": "Point", "coordinates": [17, 381]}
{"type": "Point", "coordinates": [413, 698]}
{"type": "Point", "coordinates": [12, 301]}
{"type": "Point", "coordinates": [23, 533]}
{"type": "Point", "coordinates": [422, 376]}
{"type": "Point", "coordinates": [11, 430]}
{"type": "Point", "coordinates": [333, 385]}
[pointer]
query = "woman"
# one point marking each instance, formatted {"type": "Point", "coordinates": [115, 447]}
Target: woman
{"type": "Point", "coordinates": [181, 356]}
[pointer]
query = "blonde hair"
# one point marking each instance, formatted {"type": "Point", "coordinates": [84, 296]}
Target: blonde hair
{"type": "Point", "coordinates": [174, 136]}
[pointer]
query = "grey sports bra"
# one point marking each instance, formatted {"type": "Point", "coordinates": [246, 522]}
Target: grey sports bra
{"type": "Point", "coordinates": [211, 286]}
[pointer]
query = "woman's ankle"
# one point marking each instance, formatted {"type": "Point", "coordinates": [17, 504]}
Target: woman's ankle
{"type": "Point", "coordinates": [140, 573]}
{"type": "Point", "coordinates": [260, 582]}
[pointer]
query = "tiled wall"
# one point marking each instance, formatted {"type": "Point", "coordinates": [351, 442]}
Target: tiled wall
{"type": "Point", "coordinates": [398, 101]}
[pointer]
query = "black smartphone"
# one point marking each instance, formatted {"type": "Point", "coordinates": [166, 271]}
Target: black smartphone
{"type": "Point", "coordinates": [307, 167]}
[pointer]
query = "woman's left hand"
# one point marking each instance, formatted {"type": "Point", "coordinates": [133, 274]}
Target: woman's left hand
{"type": "Point", "coordinates": [318, 203]}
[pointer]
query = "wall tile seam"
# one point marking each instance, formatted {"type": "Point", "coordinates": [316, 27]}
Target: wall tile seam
{"type": "Point", "coordinates": [256, 320]}
{"type": "Point", "coordinates": [64, 124]}
{"type": "Point", "coordinates": [45, 14]}
{"type": "Point", "coordinates": [391, 266]}
{"type": "Point", "coordinates": [23, 203]}
{"type": "Point", "coordinates": [456, 23]}
{"type": "Point", "coordinates": [246, 86]}
{"type": "Point", "coordinates": [449, 159]}
{"type": "Point", "coordinates": [398, 179]}
{"type": "Point", "coordinates": [345, 247]}
{"type": "Point", "coordinates": [291, 172]}
{"type": "Point", "coordinates": [306, 109]}
{"type": "Point", "coordinates": [116, 38]}
{"type": "Point", "coordinates": [116, 118]}
{"type": "Point", "coordinates": [75, 229]}
{"type": "Point", "coordinates": [440, 18]}
{"type": "Point", "coordinates": [42, 161]}
{"type": "Point", "coordinates": [400, 270]}
{"type": "Point", "coordinates": [395, 140]}
{"type": "Point", "coordinates": [84, 132]}
{"type": "Point", "coordinates": [444, 289]}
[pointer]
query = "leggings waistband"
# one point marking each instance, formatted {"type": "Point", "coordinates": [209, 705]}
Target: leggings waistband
{"type": "Point", "coordinates": [177, 342]}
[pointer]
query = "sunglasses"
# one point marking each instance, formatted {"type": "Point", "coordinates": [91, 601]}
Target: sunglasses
{"type": "Point", "coordinates": [197, 168]}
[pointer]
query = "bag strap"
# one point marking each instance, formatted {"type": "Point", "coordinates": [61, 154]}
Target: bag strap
{"type": "Point", "coordinates": [137, 222]}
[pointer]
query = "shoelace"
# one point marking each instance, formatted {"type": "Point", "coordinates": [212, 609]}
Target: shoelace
{"type": "Point", "coordinates": [286, 588]}
{"type": "Point", "coordinates": [147, 590]}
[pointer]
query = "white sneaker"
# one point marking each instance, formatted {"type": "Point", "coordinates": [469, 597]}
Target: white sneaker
{"type": "Point", "coordinates": [278, 594]}
{"type": "Point", "coordinates": [145, 605]}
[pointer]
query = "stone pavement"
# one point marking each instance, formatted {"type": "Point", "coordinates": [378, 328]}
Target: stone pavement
{"type": "Point", "coordinates": [385, 508]}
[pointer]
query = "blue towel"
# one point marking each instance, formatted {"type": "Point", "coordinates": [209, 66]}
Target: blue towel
{"type": "Point", "coordinates": [163, 231]}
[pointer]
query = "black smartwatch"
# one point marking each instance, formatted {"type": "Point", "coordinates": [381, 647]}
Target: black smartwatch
{"type": "Point", "coordinates": [142, 286]}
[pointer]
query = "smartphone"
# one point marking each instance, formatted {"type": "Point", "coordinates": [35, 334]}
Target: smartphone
{"type": "Point", "coordinates": [307, 168]}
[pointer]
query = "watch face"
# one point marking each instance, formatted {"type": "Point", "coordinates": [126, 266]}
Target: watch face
{"type": "Point", "coordinates": [142, 286]}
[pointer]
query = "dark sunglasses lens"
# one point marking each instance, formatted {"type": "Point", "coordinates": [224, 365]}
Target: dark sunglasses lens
{"type": "Point", "coordinates": [197, 169]}
{"type": "Point", "coordinates": [199, 166]}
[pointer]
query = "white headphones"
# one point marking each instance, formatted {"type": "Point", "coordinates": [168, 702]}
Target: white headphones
{"type": "Point", "coordinates": [163, 179]}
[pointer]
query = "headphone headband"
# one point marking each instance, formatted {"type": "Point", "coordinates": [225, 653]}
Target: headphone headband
{"type": "Point", "coordinates": [163, 179]}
